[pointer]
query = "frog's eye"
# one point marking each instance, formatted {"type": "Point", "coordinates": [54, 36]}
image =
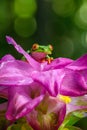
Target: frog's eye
{"type": "Point", "coordinates": [51, 47]}
{"type": "Point", "coordinates": [35, 46]}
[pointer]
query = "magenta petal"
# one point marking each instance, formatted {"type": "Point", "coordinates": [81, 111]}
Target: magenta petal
{"type": "Point", "coordinates": [79, 64]}
{"type": "Point", "coordinates": [63, 81]}
{"type": "Point", "coordinates": [31, 61]}
{"type": "Point", "coordinates": [58, 63]}
{"type": "Point", "coordinates": [50, 80]}
{"type": "Point", "coordinates": [4, 89]}
{"type": "Point", "coordinates": [14, 72]}
{"type": "Point", "coordinates": [7, 58]}
{"type": "Point", "coordinates": [4, 92]}
{"type": "Point", "coordinates": [23, 100]}
{"type": "Point", "coordinates": [73, 84]}
{"type": "Point", "coordinates": [84, 74]}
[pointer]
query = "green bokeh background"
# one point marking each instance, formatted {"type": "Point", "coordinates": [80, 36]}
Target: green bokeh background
{"type": "Point", "coordinates": [62, 23]}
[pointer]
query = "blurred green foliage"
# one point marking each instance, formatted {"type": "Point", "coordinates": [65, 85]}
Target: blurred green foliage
{"type": "Point", "coordinates": [62, 23]}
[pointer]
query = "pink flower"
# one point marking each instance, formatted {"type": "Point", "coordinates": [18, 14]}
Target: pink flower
{"type": "Point", "coordinates": [35, 89]}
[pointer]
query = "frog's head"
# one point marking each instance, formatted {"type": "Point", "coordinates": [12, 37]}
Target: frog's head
{"type": "Point", "coordinates": [43, 49]}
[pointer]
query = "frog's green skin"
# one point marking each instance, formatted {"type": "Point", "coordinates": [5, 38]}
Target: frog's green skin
{"type": "Point", "coordinates": [41, 53]}
{"type": "Point", "coordinates": [44, 49]}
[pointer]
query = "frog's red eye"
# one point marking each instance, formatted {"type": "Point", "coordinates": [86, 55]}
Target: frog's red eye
{"type": "Point", "coordinates": [51, 47]}
{"type": "Point", "coordinates": [35, 46]}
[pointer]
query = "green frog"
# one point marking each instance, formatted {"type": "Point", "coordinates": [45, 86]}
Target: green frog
{"type": "Point", "coordinates": [41, 53]}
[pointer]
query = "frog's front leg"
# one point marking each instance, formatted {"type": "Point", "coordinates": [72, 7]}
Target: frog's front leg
{"type": "Point", "coordinates": [49, 59]}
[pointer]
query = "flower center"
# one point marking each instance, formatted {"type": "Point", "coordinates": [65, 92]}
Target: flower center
{"type": "Point", "coordinates": [65, 99]}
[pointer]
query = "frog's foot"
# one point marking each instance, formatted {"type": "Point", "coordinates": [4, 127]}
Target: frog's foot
{"type": "Point", "coordinates": [49, 59]}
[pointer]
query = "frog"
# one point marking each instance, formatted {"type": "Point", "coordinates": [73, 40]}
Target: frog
{"type": "Point", "coordinates": [41, 53]}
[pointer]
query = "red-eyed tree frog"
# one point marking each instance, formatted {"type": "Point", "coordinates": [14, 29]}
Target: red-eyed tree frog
{"type": "Point", "coordinates": [41, 53]}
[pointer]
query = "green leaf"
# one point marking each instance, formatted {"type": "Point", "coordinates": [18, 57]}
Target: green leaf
{"type": "Point", "coordinates": [71, 119]}
{"type": "Point", "coordinates": [72, 128]}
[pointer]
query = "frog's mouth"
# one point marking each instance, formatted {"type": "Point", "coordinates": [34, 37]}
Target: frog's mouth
{"type": "Point", "coordinates": [39, 55]}
{"type": "Point", "coordinates": [44, 51]}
